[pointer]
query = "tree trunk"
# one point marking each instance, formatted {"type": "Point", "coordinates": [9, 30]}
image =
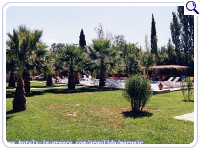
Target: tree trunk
{"type": "Point", "coordinates": [19, 101]}
{"type": "Point", "coordinates": [27, 83]}
{"type": "Point", "coordinates": [71, 79]}
{"type": "Point", "coordinates": [135, 108]}
{"type": "Point", "coordinates": [102, 79]}
{"type": "Point", "coordinates": [11, 82]}
{"type": "Point", "coordinates": [49, 80]}
{"type": "Point", "coordinates": [77, 78]}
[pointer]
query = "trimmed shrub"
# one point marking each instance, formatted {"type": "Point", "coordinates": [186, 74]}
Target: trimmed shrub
{"type": "Point", "coordinates": [137, 92]}
{"type": "Point", "coordinates": [187, 89]}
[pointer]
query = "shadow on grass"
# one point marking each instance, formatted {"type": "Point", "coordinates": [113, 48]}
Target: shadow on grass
{"type": "Point", "coordinates": [79, 89]}
{"type": "Point", "coordinates": [188, 101]}
{"type": "Point", "coordinates": [39, 86]}
{"type": "Point", "coordinates": [141, 114]}
{"type": "Point", "coordinates": [8, 117]}
{"type": "Point", "coordinates": [10, 112]}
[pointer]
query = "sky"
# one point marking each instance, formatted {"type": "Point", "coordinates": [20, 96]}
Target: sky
{"type": "Point", "coordinates": [62, 24]}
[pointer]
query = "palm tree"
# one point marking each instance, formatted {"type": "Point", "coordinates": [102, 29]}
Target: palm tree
{"type": "Point", "coordinates": [22, 42]}
{"type": "Point", "coordinates": [148, 61]}
{"type": "Point", "coordinates": [49, 68]}
{"type": "Point", "coordinates": [103, 55]}
{"type": "Point", "coordinates": [73, 58]}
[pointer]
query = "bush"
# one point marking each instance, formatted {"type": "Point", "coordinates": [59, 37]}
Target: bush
{"type": "Point", "coordinates": [137, 92]}
{"type": "Point", "coordinates": [187, 89]}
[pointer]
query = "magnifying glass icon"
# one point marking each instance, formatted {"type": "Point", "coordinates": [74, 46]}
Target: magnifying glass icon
{"type": "Point", "coordinates": [191, 6]}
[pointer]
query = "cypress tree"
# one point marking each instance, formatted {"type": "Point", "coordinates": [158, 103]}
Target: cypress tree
{"type": "Point", "coordinates": [82, 41]}
{"type": "Point", "coordinates": [153, 38]}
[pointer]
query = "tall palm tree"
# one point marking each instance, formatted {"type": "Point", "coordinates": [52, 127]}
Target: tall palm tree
{"type": "Point", "coordinates": [73, 57]}
{"type": "Point", "coordinates": [22, 42]}
{"type": "Point", "coordinates": [103, 55]}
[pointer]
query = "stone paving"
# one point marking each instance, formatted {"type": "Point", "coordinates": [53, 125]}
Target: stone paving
{"type": "Point", "coordinates": [188, 117]}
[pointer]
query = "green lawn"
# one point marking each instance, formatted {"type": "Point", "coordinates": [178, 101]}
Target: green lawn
{"type": "Point", "coordinates": [91, 114]}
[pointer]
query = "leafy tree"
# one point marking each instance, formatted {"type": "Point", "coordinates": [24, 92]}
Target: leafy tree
{"type": "Point", "coordinates": [154, 49]}
{"type": "Point", "coordinates": [82, 42]}
{"type": "Point", "coordinates": [182, 31]}
{"type": "Point", "coordinates": [187, 37]}
{"type": "Point", "coordinates": [39, 58]}
{"type": "Point", "coordinates": [175, 33]}
{"type": "Point", "coordinates": [171, 54]}
{"type": "Point", "coordinates": [131, 55]}
{"type": "Point", "coordinates": [147, 48]}
{"type": "Point", "coordinates": [57, 49]}
{"type": "Point", "coordinates": [100, 32]}
{"type": "Point", "coordinates": [120, 45]}
{"type": "Point", "coordinates": [22, 42]}
{"type": "Point", "coordinates": [163, 56]}
{"type": "Point", "coordinates": [187, 89]}
{"type": "Point", "coordinates": [119, 40]}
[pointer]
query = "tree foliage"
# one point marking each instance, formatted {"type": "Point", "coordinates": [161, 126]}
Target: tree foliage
{"type": "Point", "coordinates": [22, 43]}
{"type": "Point", "coordinates": [172, 57]}
{"type": "Point", "coordinates": [187, 89]}
{"type": "Point", "coordinates": [182, 32]}
{"type": "Point", "coordinates": [82, 42]}
{"type": "Point", "coordinates": [175, 33]}
{"type": "Point", "coordinates": [147, 48]}
{"type": "Point", "coordinates": [101, 53]}
{"type": "Point", "coordinates": [73, 58]}
{"type": "Point", "coordinates": [147, 61]}
{"type": "Point", "coordinates": [154, 49]}
{"type": "Point", "coordinates": [100, 32]}
{"type": "Point", "coordinates": [130, 56]}
{"type": "Point", "coordinates": [137, 92]}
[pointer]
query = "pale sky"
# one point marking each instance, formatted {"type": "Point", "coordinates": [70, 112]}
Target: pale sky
{"type": "Point", "coordinates": [62, 24]}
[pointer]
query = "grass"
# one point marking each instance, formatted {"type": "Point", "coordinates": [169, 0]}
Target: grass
{"type": "Point", "coordinates": [92, 114]}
